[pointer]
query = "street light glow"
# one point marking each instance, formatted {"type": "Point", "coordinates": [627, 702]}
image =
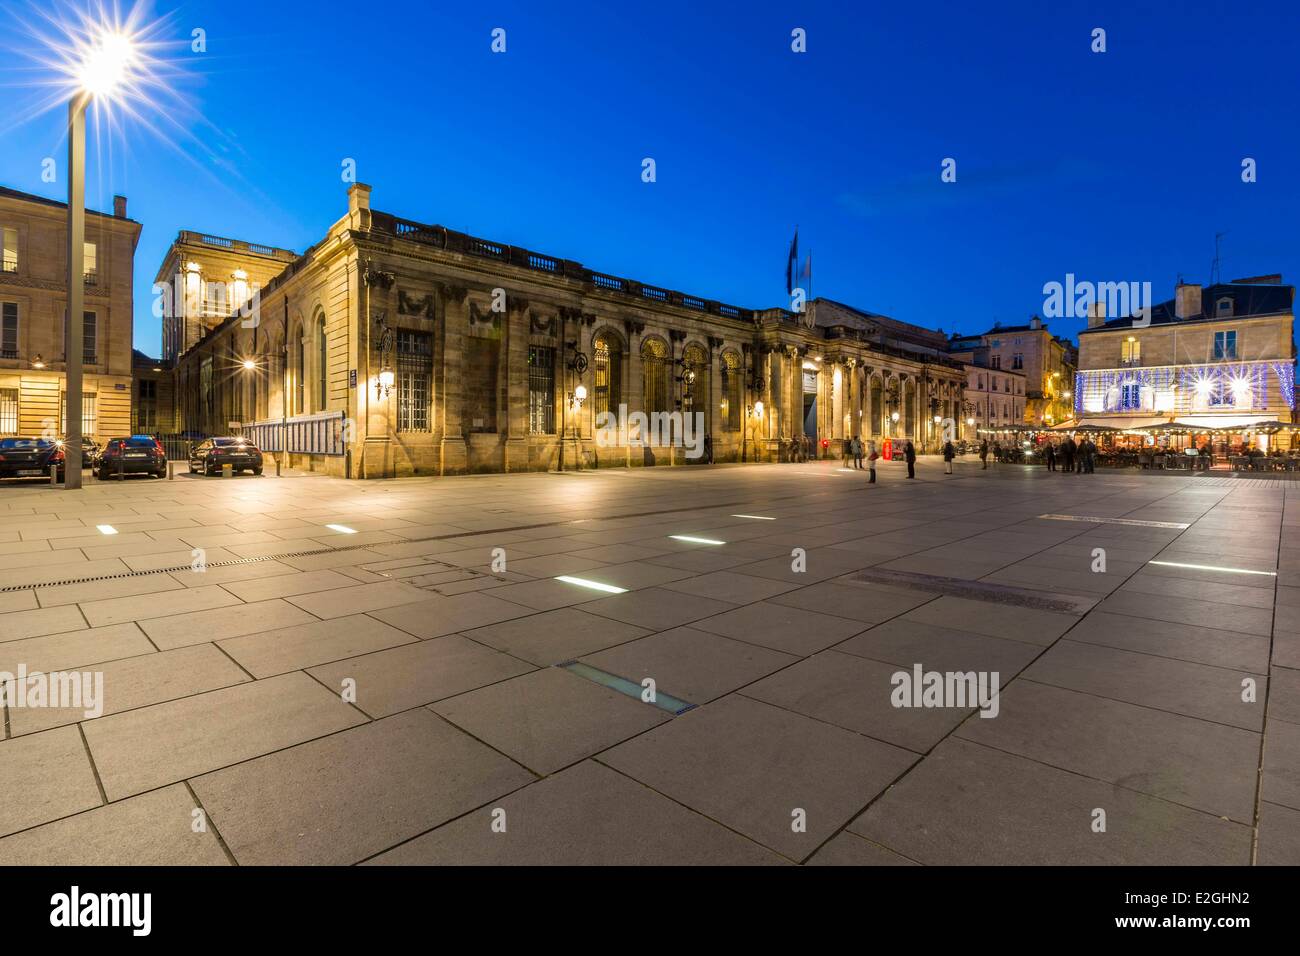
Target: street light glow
{"type": "Point", "coordinates": [107, 64]}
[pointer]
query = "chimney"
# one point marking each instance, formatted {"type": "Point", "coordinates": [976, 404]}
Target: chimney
{"type": "Point", "coordinates": [359, 206]}
{"type": "Point", "coordinates": [1035, 323]}
{"type": "Point", "coordinates": [1097, 314]}
{"type": "Point", "coordinates": [119, 207]}
{"type": "Point", "coordinates": [1187, 300]}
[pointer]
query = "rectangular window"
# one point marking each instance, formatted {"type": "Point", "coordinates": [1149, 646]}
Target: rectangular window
{"type": "Point", "coordinates": [731, 396]}
{"type": "Point", "coordinates": [414, 376]}
{"type": "Point", "coordinates": [8, 411]}
{"type": "Point", "coordinates": [1225, 345]}
{"type": "Point", "coordinates": [9, 249]}
{"type": "Point", "coordinates": [92, 264]}
{"type": "Point", "coordinates": [87, 413]}
{"type": "Point", "coordinates": [9, 330]}
{"type": "Point", "coordinates": [1018, 360]}
{"type": "Point", "coordinates": [480, 383]}
{"type": "Point", "coordinates": [89, 343]}
{"type": "Point", "coordinates": [1130, 397]}
{"type": "Point", "coordinates": [148, 389]}
{"type": "Point", "coordinates": [1130, 352]}
{"type": "Point", "coordinates": [996, 361]}
{"type": "Point", "coordinates": [541, 390]}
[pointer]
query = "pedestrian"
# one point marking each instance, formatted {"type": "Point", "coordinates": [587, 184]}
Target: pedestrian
{"type": "Point", "coordinates": [997, 452]}
{"type": "Point", "coordinates": [1068, 448]}
{"type": "Point", "coordinates": [1089, 456]}
{"type": "Point", "coordinates": [984, 454]}
{"type": "Point", "coordinates": [1049, 456]}
{"type": "Point", "coordinates": [871, 463]}
{"type": "Point", "coordinates": [857, 452]}
{"type": "Point", "coordinates": [949, 453]}
{"type": "Point", "coordinates": [708, 448]}
{"type": "Point", "coordinates": [846, 448]}
{"type": "Point", "coordinates": [909, 452]}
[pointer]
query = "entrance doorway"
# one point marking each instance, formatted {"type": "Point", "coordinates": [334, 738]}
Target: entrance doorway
{"type": "Point", "coordinates": [810, 406]}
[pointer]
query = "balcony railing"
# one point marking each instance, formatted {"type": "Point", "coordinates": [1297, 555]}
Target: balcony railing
{"type": "Point", "coordinates": [91, 278]}
{"type": "Point", "coordinates": [9, 266]}
{"type": "Point", "coordinates": [465, 244]}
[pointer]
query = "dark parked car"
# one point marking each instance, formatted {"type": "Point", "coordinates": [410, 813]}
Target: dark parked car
{"type": "Point", "coordinates": [240, 454]}
{"type": "Point", "coordinates": [132, 456]}
{"type": "Point", "coordinates": [29, 457]}
{"type": "Point", "coordinates": [90, 451]}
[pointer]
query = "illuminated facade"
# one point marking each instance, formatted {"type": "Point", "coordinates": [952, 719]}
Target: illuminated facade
{"type": "Point", "coordinates": [1220, 357]}
{"type": "Point", "coordinates": [393, 347]}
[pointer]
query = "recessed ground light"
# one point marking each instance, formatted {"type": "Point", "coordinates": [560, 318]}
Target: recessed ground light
{"type": "Point", "coordinates": [754, 517]}
{"type": "Point", "coordinates": [594, 585]}
{"type": "Point", "coordinates": [341, 528]}
{"type": "Point", "coordinates": [106, 529]}
{"type": "Point", "coordinates": [1211, 567]}
{"type": "Point", "coordinates": [687, 537]}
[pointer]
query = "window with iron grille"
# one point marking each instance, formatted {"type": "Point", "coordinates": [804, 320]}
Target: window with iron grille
{"type": "Point", "coordinates": [414, 376]}
{"type": "Point", "coordinates": [541, 390]}
{"type": "Point", "coordinates": [607, 377]}
{"type": "Point", "coordinates": [9, 331]}
{"type": "Point", "coordinates": [87, 413]}
{"type": "Point", "coordinates": [8, 411]}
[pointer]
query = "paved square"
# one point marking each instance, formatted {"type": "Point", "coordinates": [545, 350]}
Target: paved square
{"type": "Point", "coordinates": [802, 689]}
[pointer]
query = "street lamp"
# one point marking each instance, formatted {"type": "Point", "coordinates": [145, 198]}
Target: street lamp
{"type": "Point", "coordinates": [105, 65]}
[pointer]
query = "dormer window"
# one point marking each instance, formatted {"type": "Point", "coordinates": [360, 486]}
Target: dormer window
{"type": "Point", "coordinates": [1223, 306]}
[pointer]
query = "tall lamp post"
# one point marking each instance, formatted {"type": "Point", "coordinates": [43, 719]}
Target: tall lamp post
{"type": "Point", "coordinates": [105, 67]}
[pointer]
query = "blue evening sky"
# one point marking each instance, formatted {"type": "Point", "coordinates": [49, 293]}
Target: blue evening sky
{"type": "Point", "coordinates": [1114, 166]}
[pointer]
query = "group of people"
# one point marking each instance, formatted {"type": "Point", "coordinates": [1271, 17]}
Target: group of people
{"type": "Point", "coordinates": [859, 451]}
{"type": "Point", "coordinates": [1079, 457]}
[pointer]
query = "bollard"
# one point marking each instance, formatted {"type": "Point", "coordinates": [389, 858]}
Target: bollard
{"type": "Point", "coordinates": [171, 471]}
{"type": "Point", "coordinates": [54, 475]}
{"type": "Point", "coordinates": [227, 470]}
{"type": "Point", "coordinates": [277, 468]}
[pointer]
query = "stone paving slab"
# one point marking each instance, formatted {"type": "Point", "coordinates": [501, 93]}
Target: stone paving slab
{"type": "Point", "coordinates": [153, 829]}
{"type": "Point", "coordinates": [164, 743]}
{"type": "Point", "coordinates": [789, 629]}
{"type": "Point", "coordinates": [691, 665]}
{"type": "Point", "coordinates": [1195, 690]}
{"type": "Point", "coordinates": [585, 815]}
{"type": "Point", "coordinates": [971, 805]}
{"type": "Point", "coordinates": [849, 849]}
{"type": "Point", "coordinates": [751, 766]}
{"type": "Point", "coordinates": [44, 777]}
{"type": "Point", "coordinates": [345, 797]}
{"type": "Point", "coordinates": [74, 649]}
{"type": "Point", "coordinates": [549, 718]}
{"type": "Point", "coordinates": [318, 642]}
{"type": "Point", "coordinates": [1195, 763]}
{"type": "Point", "coordinates": [411, 675]}
{"type": "Point", "coordinates": [906, 642]}
{"type": "Point", "coordinates": [137, 682]}
{"type": "Point", "coordinates": [554, 637]}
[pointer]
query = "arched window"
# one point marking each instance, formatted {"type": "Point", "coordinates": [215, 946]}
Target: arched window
{"type": "Point", "coordinates": [731, 391]}
{"type": "Point", "coordinates": [909, 409]}
{"type": "Point", "coordinates": [654, 360]}
{"type": "Point", "coordinates": [607, 373]}
{"type": "Point", "coordinates": [878, 410]}
{"type": "Point", "coordinates": [297, 363]}
{"type": "Point", "coordinates": [695, 383]}
{"type": "Point", "coordinates": [322, 366]}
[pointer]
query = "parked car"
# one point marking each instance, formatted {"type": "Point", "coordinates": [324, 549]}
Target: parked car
{"type": "Point", "coordinates": [30, 457]}
{"type": "Point", "coordinates": [132, 456]}
{"type": "Point", "coordinates": [208, 456]}
{"type": "Point", "coordinates": [90, 451]}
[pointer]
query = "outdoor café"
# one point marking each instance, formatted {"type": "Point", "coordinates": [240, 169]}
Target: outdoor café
{"type": "Point", "coordinates": [1193, 443]}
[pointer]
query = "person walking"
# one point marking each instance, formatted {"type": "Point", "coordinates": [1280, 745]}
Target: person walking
{"type": "Point", "coordinates": [857, 452]}
{"type": "Point", "coordinates": [846, 447]}
{"type": "Point", "coordinates": [997, 452]}
{"type": "Point", "coordinates": [984, 454]}
{"type": "Point", "coordinates": [1068, 449]}
{"type": "Point", "coordinates": [872, 455]}
{"type": "Point", "coordinates": [708, 448]}
{"type": "Point", "coordinates": [909, 453]}
{"type": "Point", "coordinates": [1089, 456]}
{"type": "Point", "coordinates": [949, 453]}
{"type": "Point", "coordinates": [1049, 456]}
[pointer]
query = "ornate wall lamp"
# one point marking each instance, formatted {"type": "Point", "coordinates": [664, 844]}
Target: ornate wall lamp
{"type": "Point", "coordinates": [384, 384]}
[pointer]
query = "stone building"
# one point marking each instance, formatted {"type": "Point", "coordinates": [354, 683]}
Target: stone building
{"type": "Point", "coordinates": [1047, 361]}
{"type": "Point", "coordinates": [1220, 357]}
{"type": "Point", "coordinates": [153, 406]}
{"type": "Point", "coordinates": [395, 348]}
{"type": "Point", "coordinates": [995, 399]}
{"type": "Point", "coordinates": [33, 314]}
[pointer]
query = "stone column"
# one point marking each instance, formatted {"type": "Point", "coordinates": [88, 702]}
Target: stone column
{"type": "Point", "coordinates": [453, 454]}
{"type": "Point", "coordinates": [515, 354]}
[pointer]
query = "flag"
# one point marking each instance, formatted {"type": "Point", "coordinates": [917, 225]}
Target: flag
{"type": "Point", "coordinates": [805, 277]}
{"type": "Point", "coordinates": [791, 262]}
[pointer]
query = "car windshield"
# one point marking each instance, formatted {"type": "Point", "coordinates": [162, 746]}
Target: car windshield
{"type": "Point", "coordinates": [230, 441]}
{"type": "Point", "coordinates": [138, 442]}
{"type": "Point", "coordinates": [22, 443]}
